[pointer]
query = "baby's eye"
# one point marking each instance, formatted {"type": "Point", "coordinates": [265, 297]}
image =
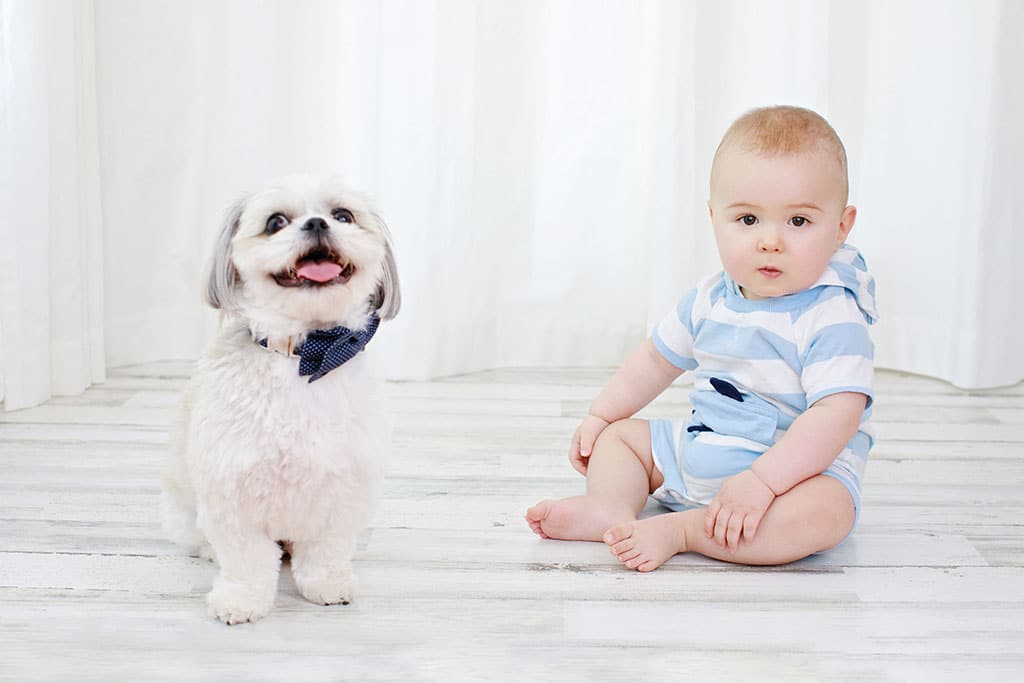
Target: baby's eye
{"type": "Point", "coordinates": [748, 220]}
{"type": "Point", "coordinates": [798, 221]}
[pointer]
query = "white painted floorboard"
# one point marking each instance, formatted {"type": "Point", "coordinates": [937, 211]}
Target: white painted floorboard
{"type": "Point", "coordinates": [454, 587]}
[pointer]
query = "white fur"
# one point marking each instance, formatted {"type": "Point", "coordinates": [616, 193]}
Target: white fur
{"type": "Point", "coordinates": [260, 454]}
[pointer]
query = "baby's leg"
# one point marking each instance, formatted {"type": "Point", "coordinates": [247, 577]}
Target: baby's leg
{"type": "Point", "coordinates": [814, 515]}
{"type": "Point", "coordinates": [620, 476]}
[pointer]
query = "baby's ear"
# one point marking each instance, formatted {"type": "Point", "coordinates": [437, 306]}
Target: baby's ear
{"type": "Point", "coordinates": [711, 212]}
{"type": "Point", "coordinates": [846, 223]}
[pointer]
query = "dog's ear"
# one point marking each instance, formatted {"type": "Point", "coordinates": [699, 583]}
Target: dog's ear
{"type": "Point", "coordinates": [223, 279]}
{"type": "Point", "coordinates": [388, 298]}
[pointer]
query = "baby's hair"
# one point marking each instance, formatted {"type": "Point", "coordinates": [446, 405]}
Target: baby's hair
{"type": "Point", "coordinates": [785, 129]}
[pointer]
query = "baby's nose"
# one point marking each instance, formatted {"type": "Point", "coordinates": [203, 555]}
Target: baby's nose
{"type": "Point", "coordinates": [769, 242]}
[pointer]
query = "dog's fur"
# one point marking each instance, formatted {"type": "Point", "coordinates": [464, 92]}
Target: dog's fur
{"type": "Point", "coordinates": [261, 455]}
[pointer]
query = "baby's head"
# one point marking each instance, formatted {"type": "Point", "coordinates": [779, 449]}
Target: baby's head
{"type": "Point", "coordinates": [778, 200]}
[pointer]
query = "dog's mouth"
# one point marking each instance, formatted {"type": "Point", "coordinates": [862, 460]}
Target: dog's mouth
{"type": "Point", "coordinates": [321, 267]}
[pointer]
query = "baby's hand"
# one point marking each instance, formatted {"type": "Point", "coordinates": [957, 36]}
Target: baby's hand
{"type": "Point", "coordinates": [583, 442]}
{"type": "Point", "coordinates": [736, 511]}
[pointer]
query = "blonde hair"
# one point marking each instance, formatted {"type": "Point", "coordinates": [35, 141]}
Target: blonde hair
{"type": "Point", "coordinates": [785, 129]}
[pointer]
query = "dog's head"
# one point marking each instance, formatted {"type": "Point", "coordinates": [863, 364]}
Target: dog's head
{"type": "Point", "coordinates": [305, 253]}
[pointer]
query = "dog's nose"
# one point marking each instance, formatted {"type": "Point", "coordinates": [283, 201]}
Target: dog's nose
{"type": "Point", "coordinates": [316, 225]}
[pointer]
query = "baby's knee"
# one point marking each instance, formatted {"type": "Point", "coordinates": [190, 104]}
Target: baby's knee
{"type": "Point", "coordinates": [835, 513]}
{"type": "Point", "coordinates": [615, 433]}
{"type": "Point", "coordinates": [630, 434]}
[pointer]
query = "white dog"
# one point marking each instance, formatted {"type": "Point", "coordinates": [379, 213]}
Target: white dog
{"type": "Point", "coordinates": [281, 435]}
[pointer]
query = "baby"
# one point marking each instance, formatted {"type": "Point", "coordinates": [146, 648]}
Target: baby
{"type": "Point", "coordinates": [767, 468]}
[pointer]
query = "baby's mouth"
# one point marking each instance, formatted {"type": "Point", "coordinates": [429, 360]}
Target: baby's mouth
{"type": "Point", "coordinates": [318, 268]}
{"type": "Point", "coordinates": [769, 272]}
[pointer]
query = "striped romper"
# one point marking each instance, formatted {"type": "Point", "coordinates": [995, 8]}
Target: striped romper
{"type": "Point", "coordinates": [757, 366]}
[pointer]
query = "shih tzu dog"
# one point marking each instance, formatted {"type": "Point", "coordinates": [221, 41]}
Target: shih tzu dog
{"type": "Point", "coordinates": [281, 434]}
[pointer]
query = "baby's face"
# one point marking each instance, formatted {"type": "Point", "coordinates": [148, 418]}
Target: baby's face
{"type": "Point", "coordinates": [778, 219]}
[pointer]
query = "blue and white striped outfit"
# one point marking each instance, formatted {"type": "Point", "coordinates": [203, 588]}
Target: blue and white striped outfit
{"type": "Point", "coordinates": [779, 355]}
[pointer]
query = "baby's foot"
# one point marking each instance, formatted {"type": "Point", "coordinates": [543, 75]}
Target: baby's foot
{"type": "Point", "coordinates": [646, 544]}
{"type": "Point", "coordinates": [580, 518]}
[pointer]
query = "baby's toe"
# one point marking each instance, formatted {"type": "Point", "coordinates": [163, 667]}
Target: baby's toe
{"type": "Point", "coordinates": [536, 515]}
{"type": "Point", "coordinates": [624, 546]}
{"type": "Point", "coordinates": [635, 562]}
{"type": "Point", "coordinates": [619, 533]}
{"type": "Point", "coordinates": [628, 555]}
{"type": "Point", "coordinates": [539, 512]}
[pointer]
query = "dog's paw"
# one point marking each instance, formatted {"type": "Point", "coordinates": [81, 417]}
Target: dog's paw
{"type": "Point", "coordinates": [328, 588]}
{"type": "Point", "coordinates": [235, 603]}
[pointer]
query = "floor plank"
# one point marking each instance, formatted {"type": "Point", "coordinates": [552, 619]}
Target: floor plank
{"type": "Point", "coordinates": [454, 587]}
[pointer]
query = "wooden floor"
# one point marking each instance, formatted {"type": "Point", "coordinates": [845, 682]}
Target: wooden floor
{"type": "Point", "coordinates": [456, 588]}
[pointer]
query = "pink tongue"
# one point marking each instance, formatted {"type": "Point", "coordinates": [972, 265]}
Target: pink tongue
{"type": "Point", "coordinates": [318, 271]}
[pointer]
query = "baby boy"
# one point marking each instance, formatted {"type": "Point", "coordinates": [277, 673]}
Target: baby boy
{"type": "Point", "coordinates": [767, 468]}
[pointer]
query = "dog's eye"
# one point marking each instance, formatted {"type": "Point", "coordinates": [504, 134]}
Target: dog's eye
{"type": "Point", "coordinates": [343, 216]}
{"type": "Point", "coordinates": [275, 223]}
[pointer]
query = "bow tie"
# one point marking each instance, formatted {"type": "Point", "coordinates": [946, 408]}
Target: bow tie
{"type": "Point", "coordinates": [325, 350]}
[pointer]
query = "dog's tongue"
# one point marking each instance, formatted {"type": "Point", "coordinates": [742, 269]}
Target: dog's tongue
{"type": "Point", "coordinates": [318, 271]}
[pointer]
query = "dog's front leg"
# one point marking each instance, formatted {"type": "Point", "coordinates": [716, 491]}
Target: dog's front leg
{"type": "Point", "coordinates": [323, 569]}
{"type": "Point", "coordinates": [249, 564]}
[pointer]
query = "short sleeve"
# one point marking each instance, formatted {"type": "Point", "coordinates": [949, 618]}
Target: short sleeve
{"type": "Point", "coordinates": [839, 355]}
{"type": "Point", "coordinates": [673, 336]}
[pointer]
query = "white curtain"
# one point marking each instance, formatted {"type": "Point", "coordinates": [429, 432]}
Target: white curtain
{"type": "Point", "coordinates": [542, 165]}
{"type": "Point", "coordinates": [52, 254]}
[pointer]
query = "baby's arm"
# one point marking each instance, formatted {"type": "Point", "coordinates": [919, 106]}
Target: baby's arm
{"type": "Point", "coordinates": [808, 447]}
{"type": "Point", "coordinates": [812, 442]}
{"type": "Point", "coordinates": [644, 375]}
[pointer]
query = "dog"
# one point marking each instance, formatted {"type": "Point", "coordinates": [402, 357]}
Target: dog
{"type": "Point", "coordinates": [282, 431]}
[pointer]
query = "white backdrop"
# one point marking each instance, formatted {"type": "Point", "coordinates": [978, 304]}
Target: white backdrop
{"type": "Point", "coordinates": [542, 165]}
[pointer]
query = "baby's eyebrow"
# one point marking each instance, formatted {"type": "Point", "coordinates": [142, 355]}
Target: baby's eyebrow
{"type": "Point", "coordinates": [788, 207]}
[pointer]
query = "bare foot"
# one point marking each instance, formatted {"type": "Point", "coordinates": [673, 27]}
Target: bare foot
{"type": "Point", "coordinates": [580, 518]}
{"type": "Point", "coordinates": [646, 544]}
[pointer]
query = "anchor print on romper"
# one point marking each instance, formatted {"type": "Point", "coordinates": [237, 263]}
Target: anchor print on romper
{"type": "Point", "coordinates": [725, 389]}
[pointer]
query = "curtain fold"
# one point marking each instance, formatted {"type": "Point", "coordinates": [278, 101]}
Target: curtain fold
{"type": "Point", "coordinates": [543, 166]}
{"type": "Point", "coordinates": [51, 262]}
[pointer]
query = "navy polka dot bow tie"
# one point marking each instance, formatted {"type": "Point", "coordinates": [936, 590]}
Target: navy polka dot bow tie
{"type": "Point", "coordinates": [325, 350]}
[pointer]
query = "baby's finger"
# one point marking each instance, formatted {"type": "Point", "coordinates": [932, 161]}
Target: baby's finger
{"type": "Point", "coordinates": [709, 518]}
{"type": "Point", "coordinates": [721, 526]}
{"type": "Point", "coordinates": [580, 464]}
{"type": "Point", "coordinates": [574, 450]}
{"type": "Point", "coordinates": [732, 536]}
{"type": "Point", "coordinates": [587, 439]}
{"type": "Point", "coordinates": [574, 445]}
{"type": "Point", "coordinates": [750, 525]}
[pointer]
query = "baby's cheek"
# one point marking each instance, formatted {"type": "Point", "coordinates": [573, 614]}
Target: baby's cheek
{"type": "Point", "coordinates": [732, 263]}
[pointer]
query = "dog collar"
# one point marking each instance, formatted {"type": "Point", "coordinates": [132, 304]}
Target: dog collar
{"type": "Point", "coordinates": [324, 350]}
